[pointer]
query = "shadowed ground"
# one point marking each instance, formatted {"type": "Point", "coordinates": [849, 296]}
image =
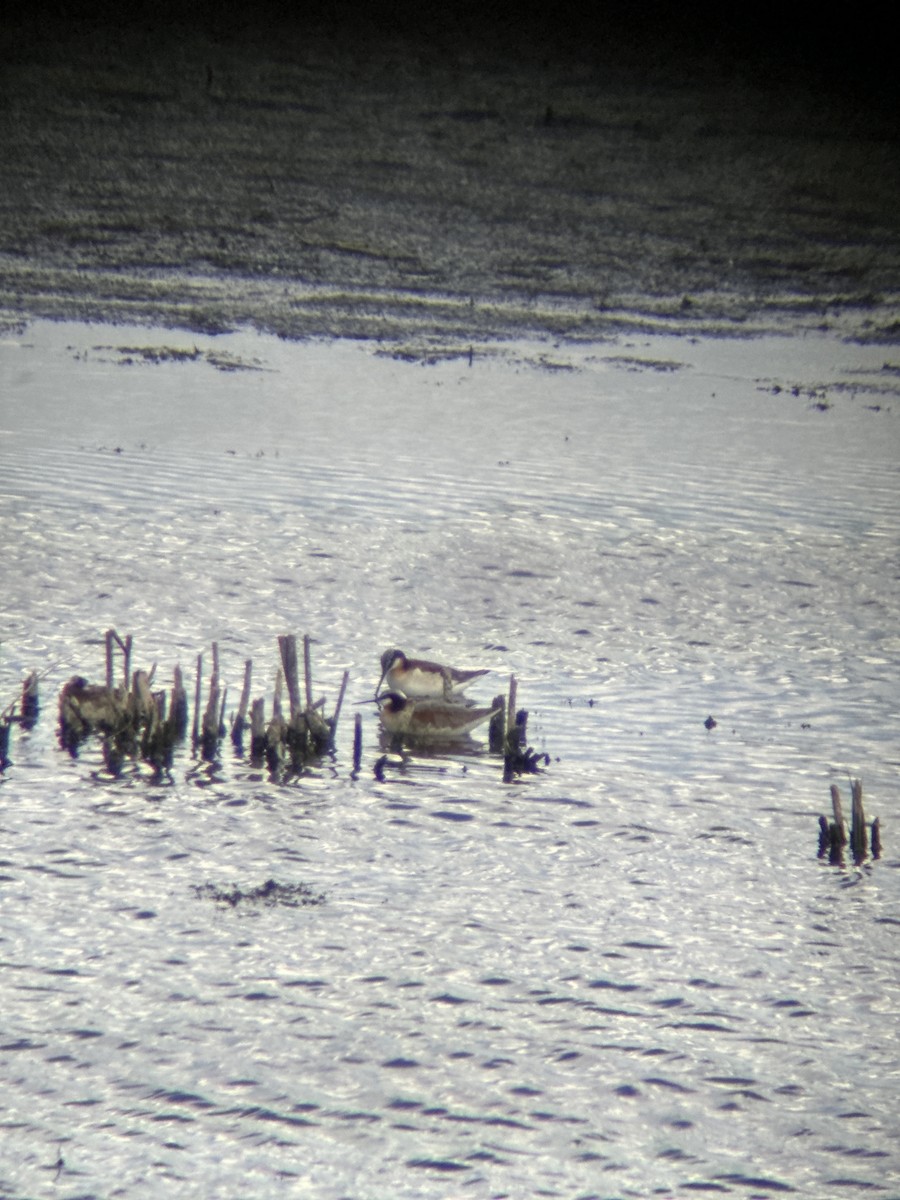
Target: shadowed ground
{"type": "Point", "coordinates": [351, 175]}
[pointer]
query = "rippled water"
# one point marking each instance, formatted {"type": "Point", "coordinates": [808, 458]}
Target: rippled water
{"type": "Point", "coordinates": [628, 976]}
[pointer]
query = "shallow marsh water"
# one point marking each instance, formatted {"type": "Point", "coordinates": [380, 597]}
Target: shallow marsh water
{"type": "Point", "coordinates": [627, 976]}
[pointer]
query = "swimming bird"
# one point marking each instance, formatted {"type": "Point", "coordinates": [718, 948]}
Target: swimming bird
{"type": "Point", "coordinates": [435, 720]}
{"type": "Point", "coordinates": [417, 678]}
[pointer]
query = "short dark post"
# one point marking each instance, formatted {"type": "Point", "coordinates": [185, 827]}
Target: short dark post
{"type": "Point", "coordinates": [876, 838]}
{"type": "Point", "coordinates": [258, 728]}
{"type": "Point", "coordinates": [824, 836]}
{"type": "Point", "coordinates": [357, 743]}
{"type": "Point", "coordinates": [178, 709]}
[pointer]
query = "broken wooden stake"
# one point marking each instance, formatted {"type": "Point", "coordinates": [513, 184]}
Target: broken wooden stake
{"type": "Point", "coordinates": [258, 729]}
{"type": "Point", "coordinates": [497, 727]}
{"type": "Point", "coordinates": [340, 703]}
{"type": "Point", "coordinates": [833, 835]}
{"type": "Point", "coordinates": [287, 644]}
{"type": "Point", "coordinates": [212, 718]}
{"type": "Point", "coordinates": [30, 704]}
{"type": "Point", "coordinates": [237, 729]}
{"type": "Point", "coordinates": [858, 840]}
{"type": "Point", "coordinates": [110, 665]}
{"type": "Point", "coordinates": [307, 669]}
{"type": "Point", "coordinates": [195, 732]}
{"type": "Point", "coordinates": [876, 838]}
{"type": "Point", "coordinates": [178, 709]}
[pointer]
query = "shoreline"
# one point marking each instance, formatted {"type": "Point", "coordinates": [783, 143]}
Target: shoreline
{"type": "Point", "coordinates": [296, 311]}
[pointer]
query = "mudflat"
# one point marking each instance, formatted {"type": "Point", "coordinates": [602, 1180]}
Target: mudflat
{"type": "Point", "coordinates": [338, 177]}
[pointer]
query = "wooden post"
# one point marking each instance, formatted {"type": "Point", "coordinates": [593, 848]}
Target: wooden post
{"type": "Point", "coordinates": [876, 838]}
{"type": "Point", "coordinates": [511, 705]}
{"type": "Point", "coordinates": [837, 834]}
{"type": "Point", "coordinates": [211, 716]}
{"type": "Point", "coordinates": [858, 839]}
{"type": "Point", "coordinates": [357, 743]}
{"type": "Point", "coordinates": [833, 836]}
{"type": "Point", "coordinates": [497, 727]}
{"type": "Point", "coordinates": [287, 644]}
{"type": "Point", "coordinates": [307, 669]}
{"type": "Point", "coordinates": [276, 729]}
{"type": "Point", "coordinates": [159, 750]}
{"type": "Point", "coordinates": [824, 836]}
{"type": "Point", "coordinates": [511, 739]}
{"type": "Point", "coordinates": [196, 730]}
{"type": "Point", "coordinates": [258, 728]}
{"type": "Point", "coordinates": [113, 640]}
{"type": "Point", "coordinates": [220, 731]}
{"type": "Point", "coordinates": [840, 829]}
{"type": "Point", "coordinates": [340, 702]}
{"type": "Point", "coordinates": [237, 731]}
{"type": "Point", "coordinates": [178, 709]}
{"type": "Point", "coordinates": [110, 650]}
{"type": "Point", "coordinates": [126, 650]}
{"type": "Point", "coordinates": [30, 703]}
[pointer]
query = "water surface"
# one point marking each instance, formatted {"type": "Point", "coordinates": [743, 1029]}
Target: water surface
{"type": "Point", "coordinates": [627, 976]}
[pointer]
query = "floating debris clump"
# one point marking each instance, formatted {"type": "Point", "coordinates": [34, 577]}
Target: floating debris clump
{"type": "Point", "coordinates": [271, 894]}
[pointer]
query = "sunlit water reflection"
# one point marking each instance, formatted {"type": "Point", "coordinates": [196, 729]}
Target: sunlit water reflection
{"type": "Point", "coordinates": [626, 976]}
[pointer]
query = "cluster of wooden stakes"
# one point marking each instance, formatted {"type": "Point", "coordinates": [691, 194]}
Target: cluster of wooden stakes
{"type": "Point", "coordinates": [135, 720]}
{"type": "Point", "coordinates": [833, 834]}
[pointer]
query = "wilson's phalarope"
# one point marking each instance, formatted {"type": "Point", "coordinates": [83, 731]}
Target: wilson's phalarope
{"type": "Point", "coordinates": [417, 678]}
{"type": "Point", "coordinates": [429, 719]}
